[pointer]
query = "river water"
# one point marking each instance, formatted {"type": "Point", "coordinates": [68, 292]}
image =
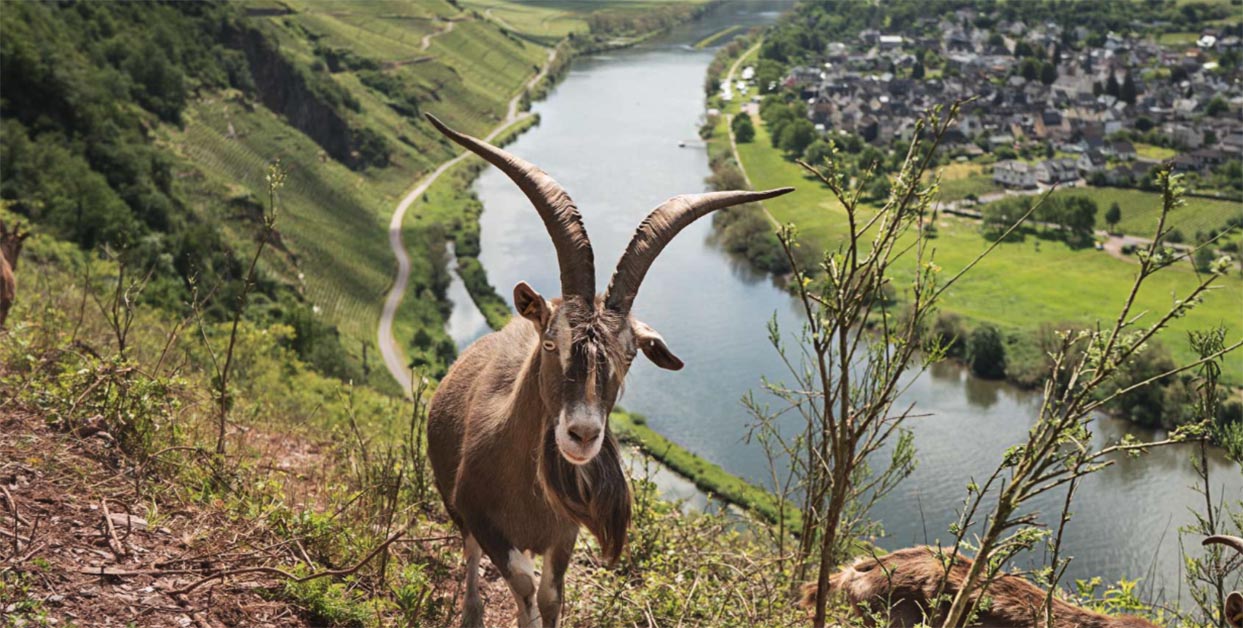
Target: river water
{"type": "Point", "coordinates": [610, 133]}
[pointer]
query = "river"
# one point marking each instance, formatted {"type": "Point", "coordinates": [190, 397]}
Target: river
{"type": "Point", "coordinates": [610, 134]}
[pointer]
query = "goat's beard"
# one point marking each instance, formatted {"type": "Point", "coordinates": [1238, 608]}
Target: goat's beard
{"type": "Point", "coordinates": [595, 494]}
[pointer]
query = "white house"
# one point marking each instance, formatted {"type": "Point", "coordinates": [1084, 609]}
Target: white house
{"type": "Point", "coordinates": [1015, 174]}
{"type": "Point", "coordinates": [1092, 161]}
{"type": "Point", "coordinates": [1057, 171]}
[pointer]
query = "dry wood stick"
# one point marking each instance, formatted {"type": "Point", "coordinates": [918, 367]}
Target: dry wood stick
{"type": "Point", "coordinates": [113, 543]}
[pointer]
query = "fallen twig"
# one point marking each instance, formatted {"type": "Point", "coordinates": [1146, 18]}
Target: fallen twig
{"type": "Point", "coordinates": [13, 506]}
{"type": "Point", "coordinates": [104, 570]}
{"type": "Point", "coordinates": [113, 543]}
{"type": "Point", "coordinates": [288, 576]}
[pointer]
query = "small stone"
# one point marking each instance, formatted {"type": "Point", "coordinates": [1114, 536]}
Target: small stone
{"type": "Point", "coordinates": [182, 620]}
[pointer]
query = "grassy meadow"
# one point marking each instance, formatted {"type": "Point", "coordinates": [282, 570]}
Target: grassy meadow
{"type": "Point", "coordinates": [1024, 284]}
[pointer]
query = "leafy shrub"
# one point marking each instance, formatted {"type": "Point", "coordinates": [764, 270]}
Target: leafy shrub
{"type": "Point", "coordinates": [986, 353]}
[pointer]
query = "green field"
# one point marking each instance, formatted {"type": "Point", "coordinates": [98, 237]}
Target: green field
{"type": "Point", "coordinates": [961, 179]}
{"type": "Point", "coordinates": [1155, 153]}
{"type": "Point", "coordinates": [1141, 209]}
{"type": "Point", "coordinates": [547, 21]}
{"type": "Point", "coordinates": [1022, 284]}
{"type": "Point", "coordinates": [1178, 39]}
{"type": "Point", "coordinates": [543, 20]}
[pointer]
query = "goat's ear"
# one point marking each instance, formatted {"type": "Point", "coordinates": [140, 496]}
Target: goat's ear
{"type": "Point", "coordinates": [653, 346]}
{"type": "Point", "coordinates": [1234, 609]}
{"type": "Point", "coordinates": [531, 305]}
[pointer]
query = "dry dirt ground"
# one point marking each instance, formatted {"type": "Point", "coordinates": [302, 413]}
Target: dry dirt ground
{"type": "Point", "coordinates": [61, 563]}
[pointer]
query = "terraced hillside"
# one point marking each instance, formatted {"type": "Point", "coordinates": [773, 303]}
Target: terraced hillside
{"type": "Point", "coordinates": [148, 128]}
{"type": "Point", "coordinates": [393, 60]}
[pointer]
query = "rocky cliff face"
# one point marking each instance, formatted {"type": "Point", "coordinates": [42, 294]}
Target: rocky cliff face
{"type": "Point", "coordinates": [313, 104]}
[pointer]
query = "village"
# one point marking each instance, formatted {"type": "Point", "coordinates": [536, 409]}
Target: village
{"type": "Point", "coordinates": [1043, 106]}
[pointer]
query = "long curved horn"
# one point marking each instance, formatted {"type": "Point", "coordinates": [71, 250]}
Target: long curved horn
{"type": "Point", "coordinates": [658, 229]}
{"type": "Point", "coordinates": [560, 216]}
{"type": "Point", "coordinates": [1222, 539]}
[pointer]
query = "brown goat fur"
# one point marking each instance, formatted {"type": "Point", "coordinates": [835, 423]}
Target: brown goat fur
{"type": "Point", "coordinates": [899, 589]}
{"type": "Point", "coordinates": [492, 443]}
{"type": "Point", "coordinates": [8, 288]}
{"type": "Point", "coordinates": [11, 241]}
{"type": "Point", "coordinates": [518, 432]}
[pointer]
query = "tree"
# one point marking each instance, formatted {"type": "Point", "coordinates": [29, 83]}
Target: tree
{"type": "Point", "coordinates": [1111, 85]}
{"type": "Point", "coordinates": [878, 190]}
{"type": "Point", "coordinates": [844, 389]}
{"type": "Point", "coordinates": [744, 130]}
{"type": "Point", "coordinates": [1113, 215]}
{"type": "Point", "coordinates": [1029, 69]}
{"type": "Point", "coordinates": [1216, 106]}
{"type": "Point", "coordinates": [986, 354]}
{"type": "Point", "coordinates": [1048, 73]}
{"type": "Point", "coordinates": [768, 75]}
{"type": "Point", "coordinates": [1128, 92]}
{"type": "Point", "coordinates": [1204, 259]}
{"type": "Point", "coordinates": [797, 136]}
{"type": "Point", "coordinates": [817, 153]}
{"type": "Point", "coordinates": [918, 71]}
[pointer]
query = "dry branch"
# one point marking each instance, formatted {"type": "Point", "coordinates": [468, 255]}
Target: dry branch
{"type": "Point", "coordinates": [291, 577]}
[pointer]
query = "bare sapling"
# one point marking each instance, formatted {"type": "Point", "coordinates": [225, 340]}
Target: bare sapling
{"type": "Point", "coordinates": [1059, 450]}
{"type": "Point", "coordinates": [276, 180]}
{"type": "Point", "coordinates": [1210, 575]}
{"type": "Point", "coordinates": [856, 354]}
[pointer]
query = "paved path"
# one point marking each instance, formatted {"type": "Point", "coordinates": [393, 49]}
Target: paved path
{"type": "Point", "coordinates": [389, 348]}
{"type": "Point", "coordinates": [729, 128]}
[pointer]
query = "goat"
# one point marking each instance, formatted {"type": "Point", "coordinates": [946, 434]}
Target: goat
{"type": "Point", "coordinates": [518, 432]}
{"type": "Point", "coordinates": [902, 586]}
{"type": "Point", "coordinates": [1232, 609]}
{"type": "Point", "coordinates": [10, 248]}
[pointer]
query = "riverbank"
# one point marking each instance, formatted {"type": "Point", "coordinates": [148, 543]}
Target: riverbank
{"type": "Point", "coordinates": [1024, 290]}
{"type": "Point", "coordinates": [710, 478]}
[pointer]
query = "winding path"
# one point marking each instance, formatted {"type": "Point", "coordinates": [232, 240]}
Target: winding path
{"type": "Point", "coordinates": [393, 358]}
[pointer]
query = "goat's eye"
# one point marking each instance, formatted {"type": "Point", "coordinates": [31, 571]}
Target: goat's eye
{"type": "Point", "coordinates": [550, 345]}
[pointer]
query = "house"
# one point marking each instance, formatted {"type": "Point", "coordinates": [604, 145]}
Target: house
{"type": "Point", "coordinates": [1127, 174]}
{"type": "Point", "coordinates": [1091, 161]}
{"type": "Point", "coordinates": [1233, 143]}
{"type": "Point", "coordinates": [1184, 163]}
{"type": "Point", "coordinates": [1053, 171]}
{"type": "Point", "coordinates": [1015, 174]}
{"type": "Point", "coordinates": [1123, 150]}
{"type": "Point", "coordinates": [1184, 135]}
{"type": "Point", "coordinates": [890, 42]}
{"type": "Point", "coordinates": [1209, 157]}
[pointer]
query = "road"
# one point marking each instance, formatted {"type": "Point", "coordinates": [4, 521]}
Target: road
{"type": "Point", "coordinates": [729, 128]}
{"type": "Point", "coordinates": [389, 348]}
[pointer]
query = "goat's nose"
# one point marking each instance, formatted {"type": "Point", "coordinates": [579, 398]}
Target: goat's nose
{"type": "Point", "coordinates": [582, 433]}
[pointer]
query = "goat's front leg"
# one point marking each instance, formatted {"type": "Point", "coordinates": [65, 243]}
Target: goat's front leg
{"type": "Point", "coordinates": [472, 607]}
{"type": "Point", "coordinates": [552, 581]}
{"type": "Point", "coordinates": [519, 573]}
{"type": "Point", "coordinates": [515, 567]}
